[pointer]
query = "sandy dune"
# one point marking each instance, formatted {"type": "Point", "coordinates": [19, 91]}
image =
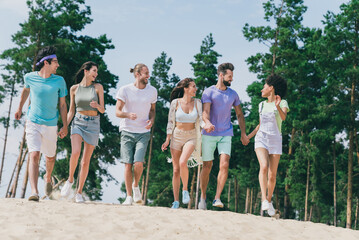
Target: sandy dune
{"type": "Point", "coordinates": [20, 219]}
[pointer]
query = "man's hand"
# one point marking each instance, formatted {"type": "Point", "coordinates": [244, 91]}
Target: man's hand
{"type": "Point", "coordinates": [63, 132]}
{"type": "Point", "coordinates": [18, 114]}
{"type": "Point", "coordinates": [209, 127]}
{"type": "Point", "coordinates": [244, 139]}
{"type": "Point", "coordinates": [149, 124]}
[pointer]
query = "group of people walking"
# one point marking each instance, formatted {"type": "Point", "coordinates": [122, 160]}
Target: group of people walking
{"type": "Point", "coordinates": [195, 129]}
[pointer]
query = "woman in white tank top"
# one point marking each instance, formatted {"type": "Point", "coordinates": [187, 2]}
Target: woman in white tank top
{"type": "Point", "coordinates": [183, 130]}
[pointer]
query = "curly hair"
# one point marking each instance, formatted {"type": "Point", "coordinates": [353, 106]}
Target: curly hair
{"type": "Point", "coordinates": [279, 84]}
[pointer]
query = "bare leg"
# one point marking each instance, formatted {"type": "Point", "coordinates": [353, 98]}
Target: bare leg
{"type": "Point", "coordinates": [263, 158]}
{"type": "Point", "coordinates": [207, 167]}
{"type": "Point", "coordinates": [176, 181]}
{"type": "Point", "coordinates": [272, 174]}
{"type": "Point", "coordinates": [85, 165]}
{"type": "Point", "coordinates": [137, 170]}
{"type": "Point", "coordinates": [128, 178]}
{"type": "Point", "coordinates": [34, 171]}
{"type": "Point", "coordinates": [76, 141]}
{"type": "Point", "coordinates": [223, 174]}
{"type": "Point", "coordinates": [186, 153]}
{"type": "Point", "coordinates": [50, 163]}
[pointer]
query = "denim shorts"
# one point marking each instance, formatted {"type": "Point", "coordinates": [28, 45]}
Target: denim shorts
{"type": "Point", "coordinates": [88, 127]}
{"type": "Point", "coordinates": [134, 146]}
{"type": "Point", "coordinates": [210, 143]}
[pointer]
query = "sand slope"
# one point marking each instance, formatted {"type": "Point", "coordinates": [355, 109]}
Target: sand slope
{"type": "Point", "coordinates": [20, 219]}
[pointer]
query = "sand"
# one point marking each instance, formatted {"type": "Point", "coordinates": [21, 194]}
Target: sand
{"type": "Point", "coordinates": [51, 219]}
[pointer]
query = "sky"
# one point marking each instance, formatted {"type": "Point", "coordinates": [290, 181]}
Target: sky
{"type": "Point", "coordinates": [140, 30]}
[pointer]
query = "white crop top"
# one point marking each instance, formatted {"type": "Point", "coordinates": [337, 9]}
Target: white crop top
{"type": "Point", "coordinates": [183, 117]}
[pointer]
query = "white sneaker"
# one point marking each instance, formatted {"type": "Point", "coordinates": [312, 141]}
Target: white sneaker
{"type": "Point", "coordinates": [66, 189]}
{"type": "Point", "coordinates": [271, 210]}
{"type": "Point", "coordinates": [137, 196]}
{"type": "Point", "coordinates": [202, 204]}
{"type": "Point", "coordinates": [128, 201]}
{"type": "Point", "coordinates": [79, 198]}
{"type": "Point", "coordinates": [217, 203]}
{"type": "Point", "coordinates": [265, 205]}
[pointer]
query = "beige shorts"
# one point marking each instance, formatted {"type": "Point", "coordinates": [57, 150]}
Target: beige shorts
{"type": "Point", "coordinates": [181, 138]}
{"type": "Point", "coordinates": [41, 138]}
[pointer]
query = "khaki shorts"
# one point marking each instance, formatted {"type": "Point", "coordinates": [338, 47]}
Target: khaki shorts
{"type": "Point", "coordinates": [41, 138]}
{"type": "Point", "coordinates": [181, 138]}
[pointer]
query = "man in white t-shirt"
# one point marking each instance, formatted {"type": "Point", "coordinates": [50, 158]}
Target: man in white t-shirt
{"type": "Point", "coordinates": [136, 106]}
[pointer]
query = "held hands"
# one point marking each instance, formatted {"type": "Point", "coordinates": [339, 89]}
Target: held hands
{"type": "Point", "coordinates": [244, 139]}
{"type": "Point", "coordinates": [18, 114]}
{"type": "Point", "coordinates": [149, 124]}
{"type": "Point", "coordinates": [209, 127]}
{"type": "Point", "coordinates": [63, 132]}
{"type": "Point", "coordinates": [277, 100]}
{"type": "Point", "coordinates": [165, 145]}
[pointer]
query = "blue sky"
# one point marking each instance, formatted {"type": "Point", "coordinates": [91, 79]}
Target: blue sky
{"type": "Point", "coordinates": [141, 30]}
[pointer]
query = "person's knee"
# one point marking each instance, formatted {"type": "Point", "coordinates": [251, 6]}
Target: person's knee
{"type": "Point", "coordinates": [138, 165]}
{"type": "Point", "coordinates": [76, 153]}
{"type": "Point", "coordinates": [264, 169]}
{"type": "Point", "coordinates": [207, 166]}
{"type": "Point", "coordinates": [272, 177]}
{"type": "Point", "coordinates": [183, 164]}
{"type": "Point", "coordinates": [35, 157]}
{"type": "Point", "coordinates": [224, 166]}
{"type": "Point", "coordinates": [176, 171]}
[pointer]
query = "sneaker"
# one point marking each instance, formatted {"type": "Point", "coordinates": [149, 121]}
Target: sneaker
{"type": "Point", "coordinates": [217, 203]}
{"type": "Point", "coordinates": [185, 197]}
{"type": "Point", "coordinates": [128, 201]}
{"type": "Point", "coordinates": [48, 188]}
{"type": "Point", "coordinates": [175, 205]}
{"type": "Point", "coordinates": [265, 205]}
{"type": "Point", "coordinates": [66, 189]}
{"type": "Point", "coordinates": [34, 197]}
{"type": "Point", "coordinates": [202, 204]}
{"type": "Point", "coordinates": [137, 197]}
{"type": "Point", "coordinates": [271, 210]}
{"type": "Point", "coordinates": [79, 198]}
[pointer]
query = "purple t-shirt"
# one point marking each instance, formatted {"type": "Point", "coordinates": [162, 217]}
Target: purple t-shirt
{"type": "Point", "coordinates": [221, 106]}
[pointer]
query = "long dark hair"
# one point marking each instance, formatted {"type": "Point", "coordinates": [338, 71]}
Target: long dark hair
{"type": "Point", "coordinates": [81, 72]}
{"type": "Point", "coordinates": [178, 91]}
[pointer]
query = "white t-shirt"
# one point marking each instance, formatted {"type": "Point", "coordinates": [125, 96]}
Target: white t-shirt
{"type": "Point", "coordinates": [136, 101]}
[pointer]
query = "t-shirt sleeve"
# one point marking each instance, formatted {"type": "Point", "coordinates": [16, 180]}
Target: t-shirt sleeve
{"type": "Point", "coordinates": [154, 100]}
{"type": "Point", "coordinates": [121, 95]}
{"type": "Point", "coordinates": [236, 101]}
{"type": "Point", "coordinates": [284, 104]}
{"type": "Point", "coordinates": [206, 96]}
{"type": "Point", "coordinates": [63, 89]}
{"type": "Point", "coordinates": [26, 81]}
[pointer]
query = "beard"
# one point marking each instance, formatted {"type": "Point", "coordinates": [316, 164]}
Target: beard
{"type": "Point", "coordinates": [226, 83]}
{"type": "Point", "coordinates": [144, 81]}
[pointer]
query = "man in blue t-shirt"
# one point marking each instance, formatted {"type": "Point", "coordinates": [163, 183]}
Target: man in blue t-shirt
{"type": "Point", "coordinates": [218, 101]}
{"type": "Point", "coordinates": [47, 91]}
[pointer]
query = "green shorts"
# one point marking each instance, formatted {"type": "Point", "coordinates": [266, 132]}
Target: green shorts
{"type": "Point", "coordinates": [134, 146]}
{"type": "Point", "coordinates": [210, 143]}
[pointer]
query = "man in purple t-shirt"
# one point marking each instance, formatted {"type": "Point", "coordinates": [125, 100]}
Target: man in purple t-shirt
{"type": "Point", "coordinates": [218, 130]}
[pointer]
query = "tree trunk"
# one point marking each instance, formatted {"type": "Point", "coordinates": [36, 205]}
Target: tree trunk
{"type": "Point", "coordinates": [251, 202]}
{"type": "Point", "coordinates": [286, 187]}
{"type": "Point", "coordinates": [356, 214]}
{"type": "Point", "coordinates": [148, 167]}
{"type": "Point", "coordinates": [7, 129]}
{"type": "Point", "coordinates": [335, 185]}
{"type": "Point", "coordinates": [26, 177]}
{"type": "Point", "coordinates": [229, 193]}
{"type": "Point", "coordinates": [310, 213]}
{"type": "Point", "coordinates": [236, 188]}
{"type": "Point", "coordinates": [192, 190]}
{"type": "Point", "coordinates": [276, 199]}
{"type": "Point", "coordinates": [247, 200]}
{"type": "Point", "coordinates": [8, 193]}
{"type": "Point", "coordinates": [197, 186]}
{"type": "Point", "coordinates": [142, 187]}
{"type": "Point", "coordinates": [19, 166]}
{"type": "Point", "coordinates": [307, 192]}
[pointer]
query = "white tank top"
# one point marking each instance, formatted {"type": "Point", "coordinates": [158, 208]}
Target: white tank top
{"type": "Point", "coordinates": [183, 117]}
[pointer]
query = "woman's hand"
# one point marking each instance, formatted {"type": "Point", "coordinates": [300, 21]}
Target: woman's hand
{"type": "Point", "coordinates": [277, 100]}
{"type": "Point", "coordinates": [165, 145]}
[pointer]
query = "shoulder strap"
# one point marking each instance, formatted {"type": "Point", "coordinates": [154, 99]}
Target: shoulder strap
{"type": "Point", "coordinates": [260, 107]}
{"type": "Point", "coordinates": [176, 104]}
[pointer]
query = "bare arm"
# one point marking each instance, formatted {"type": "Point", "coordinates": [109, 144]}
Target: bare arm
{"type": "Point", "coordinates": [254, 132]}
{"type": "Point", "coordinates": [151, 116]}
{"type": "Point", "coordinates": [24, 95]}
{"type": "Point", "coordinates": [99, 106]}
{"type": "Point", "coordinates": [242, 124]}
{"type": "Point", "coordinates": [71, 112]}
{"type": "Point", "coordinates": [208, 126]}
{"type": "Point", "coordinates": [282, 111]}
{"type": "Point", "coordinates": [63, 112]}
{"type": "Point", "coordinates": [122, 114]}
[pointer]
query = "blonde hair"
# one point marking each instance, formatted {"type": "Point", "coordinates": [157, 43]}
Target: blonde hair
{"type": "Point", "coordinates": [137, 69]}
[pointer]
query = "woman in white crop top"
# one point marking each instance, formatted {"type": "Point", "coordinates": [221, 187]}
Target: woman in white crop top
{"type": "Point", "coordinates": [183, 131]}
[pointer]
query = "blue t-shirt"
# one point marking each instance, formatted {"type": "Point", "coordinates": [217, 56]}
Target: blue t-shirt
{"type": "Point", "coordinates": [44, 97]}
{"type": "Point", "coordinates": [220, 112]}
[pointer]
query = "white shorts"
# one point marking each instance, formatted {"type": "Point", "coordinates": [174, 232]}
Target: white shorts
{"type": "Point", "coordinates": [41, 138]}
